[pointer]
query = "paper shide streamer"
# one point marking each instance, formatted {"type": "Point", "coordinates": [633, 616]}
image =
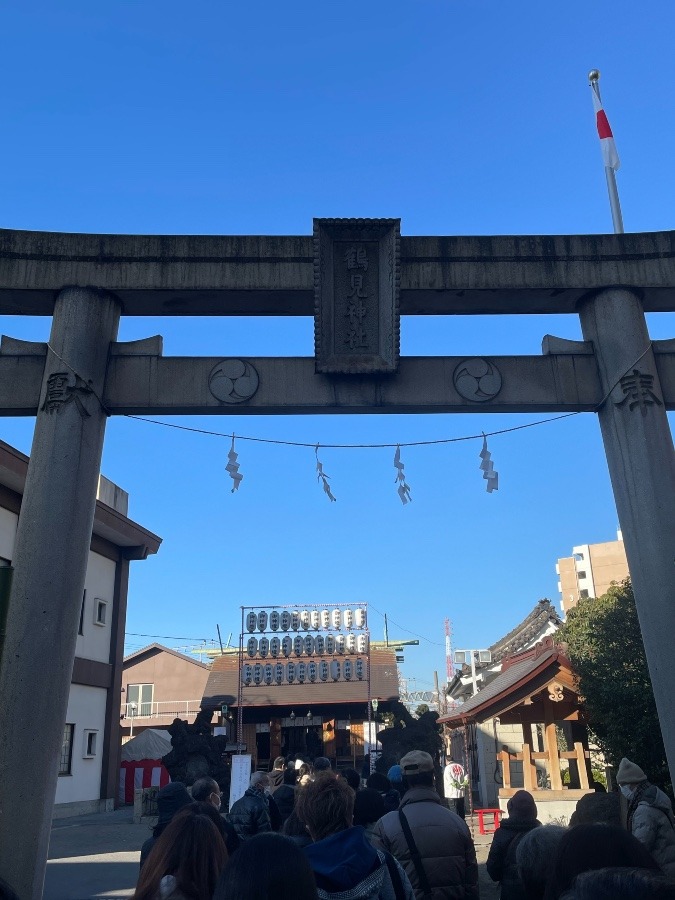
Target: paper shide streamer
{"type": "Point", "coordinates": [488, 468]}
{"type": "Point", "coordinates": [403, 486]}
{"type": "Point", "coordinates": [322, 477]}
{"type": "Point", "coordinates": [232, 468]}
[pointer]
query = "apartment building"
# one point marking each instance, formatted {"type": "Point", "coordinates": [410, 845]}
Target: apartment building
{"type": "Point", "coordinates": [590, 571]}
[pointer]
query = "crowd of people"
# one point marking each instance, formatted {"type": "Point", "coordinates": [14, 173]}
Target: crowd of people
{"type": "Point", "coordinates": [303, 832]}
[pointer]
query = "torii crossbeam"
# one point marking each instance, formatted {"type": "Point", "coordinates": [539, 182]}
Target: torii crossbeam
{"type": "Point", "coordinates": [356, 277]}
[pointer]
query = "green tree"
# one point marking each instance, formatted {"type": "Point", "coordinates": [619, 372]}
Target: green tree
{"type": "Point", "coordinates": [605, 647]}
{"type": "Point", "coordinates": [421, 709]}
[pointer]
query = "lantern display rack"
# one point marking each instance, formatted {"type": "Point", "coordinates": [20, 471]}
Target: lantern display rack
{"type": "Point", "coordinates": [280, 619]}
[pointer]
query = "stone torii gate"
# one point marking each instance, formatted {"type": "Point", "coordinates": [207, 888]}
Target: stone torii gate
{"type": "Point", "coordinates": [356, 277]}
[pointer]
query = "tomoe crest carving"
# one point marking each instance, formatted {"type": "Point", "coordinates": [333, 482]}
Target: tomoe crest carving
{"type": "Point", "coordinates": [233, 381]}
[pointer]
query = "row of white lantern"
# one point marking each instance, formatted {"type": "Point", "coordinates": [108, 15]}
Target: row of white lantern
{"type": "Point", "coordinates": [304, 619]}
{"type": "Point", "coordinates": [291, 672]}
{"type": "Point", "coordinates": [309, 645]}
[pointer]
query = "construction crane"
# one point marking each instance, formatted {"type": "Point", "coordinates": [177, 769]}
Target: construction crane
{"type": "Point", "coordinates": [449, 666]}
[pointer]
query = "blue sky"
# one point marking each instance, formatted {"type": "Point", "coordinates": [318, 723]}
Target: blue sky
{"type": "Point", "coordinates": [461, 118]}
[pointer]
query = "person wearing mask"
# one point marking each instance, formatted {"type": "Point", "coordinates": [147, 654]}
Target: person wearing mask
{"type": "Point", "coordinates": [344, 862]}
{"type": "Point", "coordinates": [432, 843]}
{"type": "Point", "coordinates": [250, 813]}
{"type": "Point", "coordinates": [186, 861]}
{"type": "Point", "coordinates": [207, 790]}
{"type": "Point", "coordinates": [170, 800]}
{"type": "Point", "coordinates": [501, 862]}
{"type": "Point", "coordinates": [650, 814]}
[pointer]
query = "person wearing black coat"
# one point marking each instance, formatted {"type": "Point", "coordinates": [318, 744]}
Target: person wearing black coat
{"type": "Point", "coordinates": [501, 861]}
{"type": "Point", "coordinates": [284, 796]}
{"type": "Point", "coordinates": [250, 815]}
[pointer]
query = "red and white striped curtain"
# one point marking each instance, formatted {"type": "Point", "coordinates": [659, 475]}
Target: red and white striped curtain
{"type": "Point", "coordinates": [141, 773]}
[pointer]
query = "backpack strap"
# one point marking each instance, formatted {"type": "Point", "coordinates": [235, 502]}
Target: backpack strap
{"type": "Point", "coordinates": [394, 875]}
{"type": "Point", "coordinates": [415, 855]}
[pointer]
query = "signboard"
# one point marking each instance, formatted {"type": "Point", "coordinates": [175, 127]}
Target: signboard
{"type": "Point", "coordinates": [241, 775]}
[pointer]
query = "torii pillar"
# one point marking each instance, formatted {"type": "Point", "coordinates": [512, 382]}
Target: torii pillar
{"type": "Point", "coordinates": [641, 460]}
{"type": "Point", "coordinates": [50, 561]}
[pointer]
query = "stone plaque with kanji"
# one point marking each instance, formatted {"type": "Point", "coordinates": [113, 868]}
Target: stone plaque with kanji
{"type": "Point", "coordinates": [356, 294]}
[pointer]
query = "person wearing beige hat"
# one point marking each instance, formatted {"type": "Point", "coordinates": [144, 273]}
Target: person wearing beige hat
{"type": "Point", "coordinates": [432, 843]}
{"type": "Point", "coordinates": [650, 814]}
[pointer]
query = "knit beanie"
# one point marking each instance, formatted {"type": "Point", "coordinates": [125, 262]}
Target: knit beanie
{"type": "Point", "coordinates": [522, 806]}
{"type": "Point", "coordinates": [171, 798]}
{"type": "Point", "coordinates": [629, 772]}
{"type": "Point", "coordinates": [395, 774]}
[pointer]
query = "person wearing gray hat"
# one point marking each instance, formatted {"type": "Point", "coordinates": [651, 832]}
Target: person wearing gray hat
{"type": "Point", "coordinates": [650, 814]}
{"type": "Point", "coordinates": [433, 844]}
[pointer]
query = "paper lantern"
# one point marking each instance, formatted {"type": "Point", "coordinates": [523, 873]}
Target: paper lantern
{"type": "Point", "coordinates": [335, 670]}
{"type": "Point", "coordinates": [268, 674]}
{"type": "Point", "coordinates": [247, 674]}
{"type": "Point", "coordinates": [257, 673]}
{"type": "Point", "coordinates": [336, 618]}
{"type": "Point", "coordinates": [348, 618]}
{"type": "Point", "coordinates": [279, 673]}
{"type": "Point", "coordinates": [295, 621]}
{"type": "Point", "coordinates": [340, 643]}
{"type": "Point", "coordinates": [360, 617]}
{"type": "Point", "coordinates": [275, 647]}
{"type": "Point", "coordinates": [325, 618]}
{"type": "Point", "coordinates": [362, 643]}
{"type": "Point", "coordinates": [312, 669]}
{"type": "Point", "coordinates": [351, 643]}
{"type": "Point", "coordinates": [274, 620]}
{"type": "Point", "coordinates": [320, 645]}
{"type": "Point", "coordinates": [252, 647]}
{"type": "Point", "coordinates": [285, 620]}
{"type": "Point", "coordinates": [330, 644]}
{"type": "Point", "coordinates": [360, 669]}
{"type": "Point", "coordinates": [262, 621]}
{"type": "Point", "coordinates": [301, 672]}
{"type": "Point", "coordinates": [315, 619]}
{"type": "Point", "coordinates": [304, 619]}
{"type": "Point", "coordinates": [324, 670]}
{"type": "Point", "coordinates": [347, 670]}
{"type": "Point", "coordinates": [251, 622]}
{"type": "Point", "coordinates": [290, 672]}
{"type": "Point", "coordinates": [286, 645]}
{"type": "Point", "coordinates": [263, 647]}
{"type": "Point", "coordinates": [298, 645]}
{"type": "Point", "coordinates": [308, 643]}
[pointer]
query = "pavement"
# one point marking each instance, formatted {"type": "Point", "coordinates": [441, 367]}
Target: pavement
{"type": "Point", "coordinates": [97, 856]}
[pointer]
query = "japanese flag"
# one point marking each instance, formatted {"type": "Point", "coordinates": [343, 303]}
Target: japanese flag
{"type": "Point", "coordinates": [607, 145]}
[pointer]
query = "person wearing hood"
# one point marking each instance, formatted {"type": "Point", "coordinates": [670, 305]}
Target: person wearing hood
{"type": "Point", "coordinates": [502, 864]}
{"type": "Point", "coordinates": [276, 776]}
{"type": "Point", "coordinates": [650, 814]}
{"type": "Point", "coordinates": [344, 863]}
{"type": "Point", "coordinates": [432, 844]}
{"type": "Point", "coordinates": [170, 800]}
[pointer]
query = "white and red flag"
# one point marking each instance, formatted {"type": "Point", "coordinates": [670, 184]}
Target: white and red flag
{"type": "Point", "coordinates": [607, 145]}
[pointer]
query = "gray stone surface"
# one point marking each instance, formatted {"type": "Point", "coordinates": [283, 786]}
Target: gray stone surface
{"type": "Point", "coordinates": [50, 559]}
{"type": "Point", "coordinates": [257, 275]}
{"type": "Point", "coordinates": [641, 462]}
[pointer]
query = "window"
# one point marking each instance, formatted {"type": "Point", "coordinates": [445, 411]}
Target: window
{"type": "Point", "coordinates": [100, 611]}
{"type": "Point", "coordinates": [90, 742]}
{"type": "Point", "coordinates": [80, 629]}
{"type": "Point", "coordinates": [139, 700]}
{"type": "Point", "coordinates": [583, 594]}
{"type": "Point", "coordinates": [66, 758]}
{"type": "Point", "coordinates": [581, 574]}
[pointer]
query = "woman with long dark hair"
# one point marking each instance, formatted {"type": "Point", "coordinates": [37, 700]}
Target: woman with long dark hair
{"type": "Point", "coordinates": [267, 867]}
{"type": "Point", "coordinates": [186, 861]}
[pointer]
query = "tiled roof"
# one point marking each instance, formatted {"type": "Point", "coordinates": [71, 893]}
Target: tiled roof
{"type": "Point", "coordinates": [222, 684]}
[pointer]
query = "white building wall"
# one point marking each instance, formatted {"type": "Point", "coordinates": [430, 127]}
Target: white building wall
{"type": "Point", "coordinates": [99, 584]}
{"type": "Point", "coordinates": [86, 710]}
{"type": "Point", "coordinates": [8, 523]}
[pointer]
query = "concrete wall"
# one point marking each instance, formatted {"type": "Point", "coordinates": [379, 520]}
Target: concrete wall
{"type": "Point", "coordinates": [99, 584]}
{"type": "Point", "coordinates": [86, 710]}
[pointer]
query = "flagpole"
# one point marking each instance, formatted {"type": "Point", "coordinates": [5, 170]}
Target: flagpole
{"type": "Point", "coordinates": [610, 174]}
